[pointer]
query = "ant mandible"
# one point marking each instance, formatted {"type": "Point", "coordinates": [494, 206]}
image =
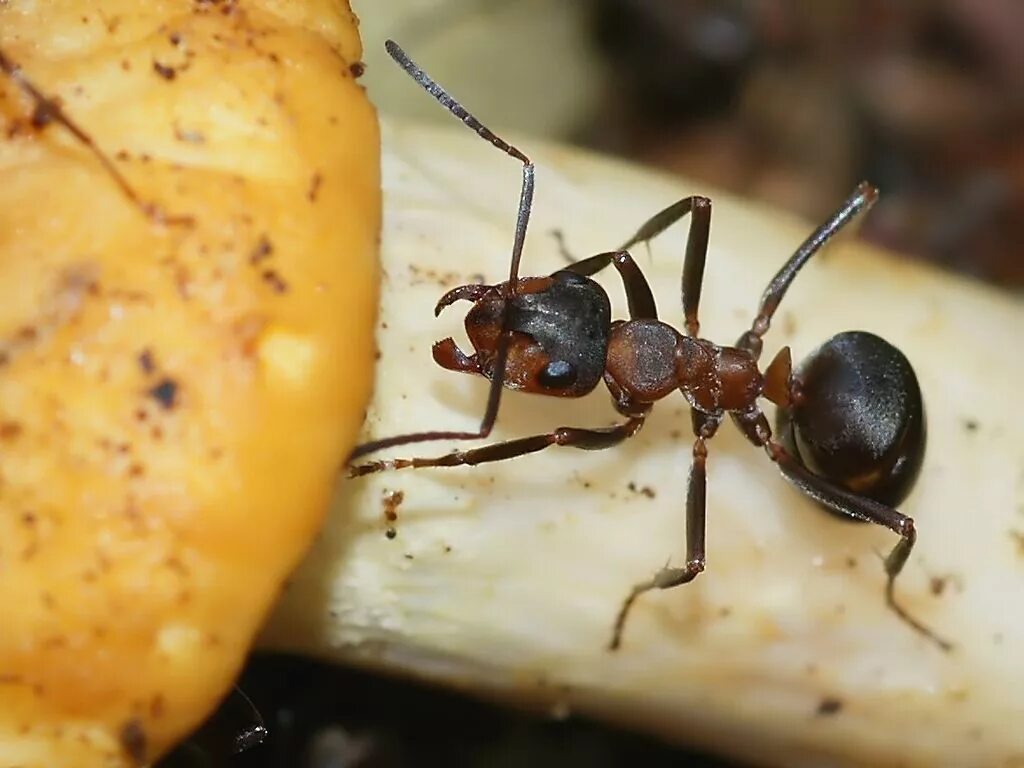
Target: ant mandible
{"type": "Point", "coordinates": [554, 336]}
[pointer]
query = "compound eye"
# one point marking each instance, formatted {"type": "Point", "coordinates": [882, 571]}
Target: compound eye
{"type": "Point", "coordinates": [558, 374]}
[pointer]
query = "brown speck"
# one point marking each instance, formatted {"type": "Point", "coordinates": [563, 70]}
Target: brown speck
{"type": "Point", "coordinates": [645, 490]}
{"type": "Point", "coordinates": [146, 361]}
{"type": "Point", "coordinates": [188, 136]}
{"type": "Point", "coordinates": [392, 500]}
{"type": "Point", "coordinates": [937, 584]}
{"type": "Point", "coordinates": [133, 741]}
{"type": "Point", "coordinates": [408, 556]}
{"type": "Point", "coordinates": [175, 38]}
{"type": "Point", "coordinates": [356, 69]}
{"type": "Point", "coordinates": [447, 548]}
{"type": "Point", "coordinates": [274, 280]}
{"type": "Point", "coordinates": [156, 706]}
{"type": "Point", "coordinates": [165, 393]}
{"type": "Point", "coordinates": [9, 430]}
{"type": "Point", "coordinates": [1018, 539]}
{"type": "Point", "coordinates": [165, 71]}
{"type": "Point", "coordinates": [391, 533]}
{"type": "Point", "coordinates": [851, 562]}
{"type": "Point", "coordinates": [829, 706]}
{"type": "Point", "coordinates": [262, 251]}
{"type": "Point", "coordinates": [314, 187]}
{"type": "Point", "coordinates": [971, 425]}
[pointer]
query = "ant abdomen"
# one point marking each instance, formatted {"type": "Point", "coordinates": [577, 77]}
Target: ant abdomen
{"type": "Point", "coordinates": [857, 417]}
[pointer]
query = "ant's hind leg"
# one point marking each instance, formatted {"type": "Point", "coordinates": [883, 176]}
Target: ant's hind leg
{"type": "Point", "coordinates": [863, 197]}
{"type": "Point", "coordinates": [705, 427]}
{"type": "Point", "coordinates": [868, 510]}
{"type": "Point", "coordinates": [573, 437]}
{"type": "Point", "coordinates": [755, 427]}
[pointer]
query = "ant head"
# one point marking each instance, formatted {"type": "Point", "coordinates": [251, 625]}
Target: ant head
{"type": "Point", "coordinates": [558, 335]}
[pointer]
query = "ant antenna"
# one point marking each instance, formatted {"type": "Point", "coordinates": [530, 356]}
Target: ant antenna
{"type": "Point", "coordinates": [47, 110]}
{"type": "Point", "coordinates": [522, 220]}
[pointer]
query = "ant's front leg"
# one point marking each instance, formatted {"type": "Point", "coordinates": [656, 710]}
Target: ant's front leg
{"type": "Point", "coordinates": [704, 426]}
{"type": "Point", "coordinates": [755, 427]}
{"type": "Point", "coordinates": [573, 437]}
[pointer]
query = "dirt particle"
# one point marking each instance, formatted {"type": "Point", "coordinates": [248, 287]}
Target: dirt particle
{"type": "Point", "coordinates": [971, 425]}
{"type": "Point", "coordinates": [165, 71]}
{"type": "Point", "coordinates": [272, 278]}
{"type": "Point", "coordinates": [1018, 539]}
{"type": "Point", "coordinates": [391, 501]}
{"type": "Point", "coordinates": [9, 430]}
{"type": "Point", "coordinates": [165, 392]}
{"type": "Point", "coordinates": [829, 706]}
{"type": "Point", "coordinates": [133, 741]}
{"type": "Point", "coordinates": [262, 251]}
{"type": "Point", "coordinates": [188, 136]}
{"type": "Point", "coordinates": [357, 69]}
{"type": "Point", "coordinates": [938, 584]}
{"type": "Point", "coordinates": [314, 187]}
{"type": "Point", "coordinates": [643, 490]}
{"type": "Point", "coordinates": [147, 362]}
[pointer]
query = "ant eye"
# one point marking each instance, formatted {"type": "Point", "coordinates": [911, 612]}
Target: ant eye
{"type": "Point", "coordinates": [558, 374]}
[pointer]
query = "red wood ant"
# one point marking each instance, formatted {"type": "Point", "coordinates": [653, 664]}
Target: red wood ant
{"type": "Point", "coordinates": [852, 411]}
{"type": "Point", "coordinates": [48, 110]}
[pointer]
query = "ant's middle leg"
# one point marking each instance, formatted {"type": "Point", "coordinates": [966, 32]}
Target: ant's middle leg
{"type": "Point", "coordinates": [704, 426]}
{"type": "Point", "coordinates": [693, 260]}
{"type": "Point", "coordinates": [573, 437]}
{"type": "Point", "coordinates": [638, 290]}
{"type": "Point", "coordinates": [755, 427]}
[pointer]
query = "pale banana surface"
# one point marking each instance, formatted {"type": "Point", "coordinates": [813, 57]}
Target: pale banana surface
{"type": "Point", "coordinates": [504, 579]}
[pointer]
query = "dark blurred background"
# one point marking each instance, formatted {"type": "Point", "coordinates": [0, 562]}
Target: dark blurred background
{"type": "Point", "coordinates": [788, 102]}
{"type": "Point", "coordinates": [794, 102]}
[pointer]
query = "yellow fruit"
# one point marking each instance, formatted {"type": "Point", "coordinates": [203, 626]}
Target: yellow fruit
{"type": "Point", "coordinates": [176, 394]}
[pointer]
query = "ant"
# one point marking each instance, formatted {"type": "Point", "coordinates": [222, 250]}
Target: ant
{"type": "Point", "coordinates": [852, 411]}
{"type": "Point", "coordinates": [48, 110]}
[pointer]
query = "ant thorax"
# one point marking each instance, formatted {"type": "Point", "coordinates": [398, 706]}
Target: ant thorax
{"type": "Point", "coordinates": [649, 360]}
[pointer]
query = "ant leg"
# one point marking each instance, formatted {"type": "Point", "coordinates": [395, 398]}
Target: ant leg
{"type": "Point", "coordinates": [522, 220]}
{"type": "Point", "coordinates": [696, 249]}
{"type": "Point", "coordinates": [638, 290]}
{"type": "Point", "coordinates": [863, 197]}
{"type": "Point", "coordinates": [563, 249]}
{"type": "Point", "coordinates": [693, 261]}
{"type": "Point", "coordinates": [573, 437]}
{"type": "Point", "coordinates": [704, 426]}
{"type": "Point", "coordinates": [48, 110]}
{"type": "Point", "coordinates": [755, 427]}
